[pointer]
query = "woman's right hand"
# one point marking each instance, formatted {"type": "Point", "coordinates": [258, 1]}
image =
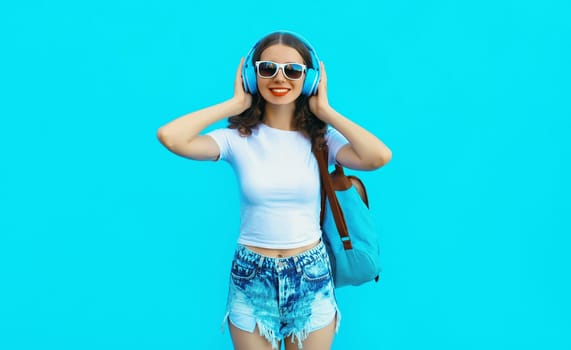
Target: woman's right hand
{"type": "Point", "coordinates": [242, 99]}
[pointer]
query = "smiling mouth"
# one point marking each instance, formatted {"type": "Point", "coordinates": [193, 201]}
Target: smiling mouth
{"type": "Point", "coordinates": [279, 91]}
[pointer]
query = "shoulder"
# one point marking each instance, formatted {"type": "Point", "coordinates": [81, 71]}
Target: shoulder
{"type": "Point", "coordinates": [332, 135]}
{"type": "Point", "coordinates": [335, 141]}
{"type": "Point", "coordinates": [224, 132]}
{"type": "Point", "coordinates": [225, 135]}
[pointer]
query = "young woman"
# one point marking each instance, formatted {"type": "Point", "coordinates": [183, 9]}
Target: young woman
{"type": "Point", "coordinates": [281, 288]}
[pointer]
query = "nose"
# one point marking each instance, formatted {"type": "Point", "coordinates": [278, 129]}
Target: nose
{"type": "Point", "coordinates": [280, 75]}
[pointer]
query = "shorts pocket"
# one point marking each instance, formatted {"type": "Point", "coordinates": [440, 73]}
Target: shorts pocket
{"type": "Point", "coordinates": [316, 270]}
{"type": "Point", "coordinates": [243, 269]}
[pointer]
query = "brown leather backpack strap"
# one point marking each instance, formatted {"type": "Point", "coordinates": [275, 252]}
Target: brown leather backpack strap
{"type": "Point", "coordinates": [327, 187]}
{"type": "Point", "coordinates": [322, 212]}
{"type": "Point", "coordinates": [339, 180]}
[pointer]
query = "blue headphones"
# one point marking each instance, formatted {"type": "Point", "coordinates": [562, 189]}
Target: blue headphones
{"type": "Point", "coordinates": [312, 75]}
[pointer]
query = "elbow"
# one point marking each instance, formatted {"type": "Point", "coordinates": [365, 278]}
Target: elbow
{"type": "Point", "coordinates": [165, 138]}
{"type": "Point", "coordinates": [380, 159]}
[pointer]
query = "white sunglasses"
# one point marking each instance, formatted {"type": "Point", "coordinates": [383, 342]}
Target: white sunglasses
{"type": "Point", "coordinates": [269, 69]}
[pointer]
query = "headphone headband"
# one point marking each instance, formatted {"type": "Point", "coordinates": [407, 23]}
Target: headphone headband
{"type": "Point", "coordinates": [312, 75]}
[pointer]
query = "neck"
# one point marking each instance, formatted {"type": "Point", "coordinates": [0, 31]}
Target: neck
{"type": "Point", "coordinates": [279, 116]}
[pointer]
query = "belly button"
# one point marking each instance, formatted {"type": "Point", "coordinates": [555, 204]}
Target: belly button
{"type": "Point", "coordinates": [280, 256]}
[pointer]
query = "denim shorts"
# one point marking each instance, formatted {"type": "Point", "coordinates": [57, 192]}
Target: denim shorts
{"type": "Point", "coordinates": [283, 297]}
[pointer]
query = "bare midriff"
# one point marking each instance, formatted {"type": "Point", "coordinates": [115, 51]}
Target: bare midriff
{"type": "Point", "coordinates": [281, 253]}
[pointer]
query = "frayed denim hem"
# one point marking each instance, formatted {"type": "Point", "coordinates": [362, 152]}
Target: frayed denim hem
{"type": "Point", "coordinates": [266, 332]}
{"type": "Point", "coordinates": [273, 339]}
{"type": "Point", "coordinates": [302, 334]}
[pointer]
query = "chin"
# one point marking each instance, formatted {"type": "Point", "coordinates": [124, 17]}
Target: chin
{"type": "Point", "coordinates": [281, 102]}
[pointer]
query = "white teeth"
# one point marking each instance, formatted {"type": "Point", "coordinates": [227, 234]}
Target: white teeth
{"type": "Point", "coordinates": [279, 90]}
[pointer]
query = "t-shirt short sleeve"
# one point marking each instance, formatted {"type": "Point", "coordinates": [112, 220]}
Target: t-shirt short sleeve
{"type": "Point", "coordinates": [223, 137]}
{"type": "Point", "coordinates": [335, 141]}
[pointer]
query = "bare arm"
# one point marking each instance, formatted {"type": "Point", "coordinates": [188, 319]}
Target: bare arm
{"type": "Point", "coordinates": [364, 151]}
{"type": "Point", "coordinates": [182, 135]}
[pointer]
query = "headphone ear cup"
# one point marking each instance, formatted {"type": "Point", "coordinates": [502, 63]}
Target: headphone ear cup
{"type": "Point", "coordinates": [311, 81]}
{"type": "Point", "coordinates": [249, 76]}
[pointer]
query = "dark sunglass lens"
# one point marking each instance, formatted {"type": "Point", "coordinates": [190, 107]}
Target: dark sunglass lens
{"type": "Point", "coordinates": [293, 71]}
{"type": "Point", "coordinates": [267, 69]}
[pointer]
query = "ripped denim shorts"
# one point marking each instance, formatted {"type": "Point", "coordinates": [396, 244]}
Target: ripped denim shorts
{"type": "Point", "coordinates": [283, 297]}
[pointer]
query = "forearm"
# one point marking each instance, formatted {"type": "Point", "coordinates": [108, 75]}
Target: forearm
{"type": "Point", "coordinates": [185, 128]}
{"type": "Point", "coordinates": [370, 150]}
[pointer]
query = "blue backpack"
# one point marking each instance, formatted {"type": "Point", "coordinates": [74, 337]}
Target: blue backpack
{"type": "Point", "coordinates": [349, 231]}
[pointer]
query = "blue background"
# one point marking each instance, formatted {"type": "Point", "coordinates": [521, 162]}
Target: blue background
{"type": "Point", "coordinates": [108, 241]}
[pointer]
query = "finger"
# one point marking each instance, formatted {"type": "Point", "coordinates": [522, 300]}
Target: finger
{"type": "Point", "coordinates": [239, 71]}
{"type": "Point", "coordinates": [323, 78]}
{"type": "Point", "coordinates": [238, 80]}
{"type": "Point", "coordinates": [323, 73]}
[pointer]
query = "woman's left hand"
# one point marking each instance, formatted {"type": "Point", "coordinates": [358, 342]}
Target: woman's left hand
{"type": "Point", "coordinates": [319, 104]}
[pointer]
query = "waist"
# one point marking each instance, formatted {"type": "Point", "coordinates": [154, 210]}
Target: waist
{"type": "Point", "coordinates": [282, 253]}
{"type": "Point", "coordinates": [283, 241]}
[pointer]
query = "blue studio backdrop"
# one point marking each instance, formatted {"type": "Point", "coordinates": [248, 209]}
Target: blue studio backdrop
{"type": "Point", "coordinates": [108, 241]}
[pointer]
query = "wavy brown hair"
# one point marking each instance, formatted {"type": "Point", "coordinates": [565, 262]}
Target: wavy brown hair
{"type": "Point", "coordinates": [304, 121]}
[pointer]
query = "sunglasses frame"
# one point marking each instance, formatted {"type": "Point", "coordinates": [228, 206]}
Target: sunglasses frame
{"type": "Point", "coordinates": [282, 67]}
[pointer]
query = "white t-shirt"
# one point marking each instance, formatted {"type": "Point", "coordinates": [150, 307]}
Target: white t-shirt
{"type": "Point", "coordinates": [279, 184]}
